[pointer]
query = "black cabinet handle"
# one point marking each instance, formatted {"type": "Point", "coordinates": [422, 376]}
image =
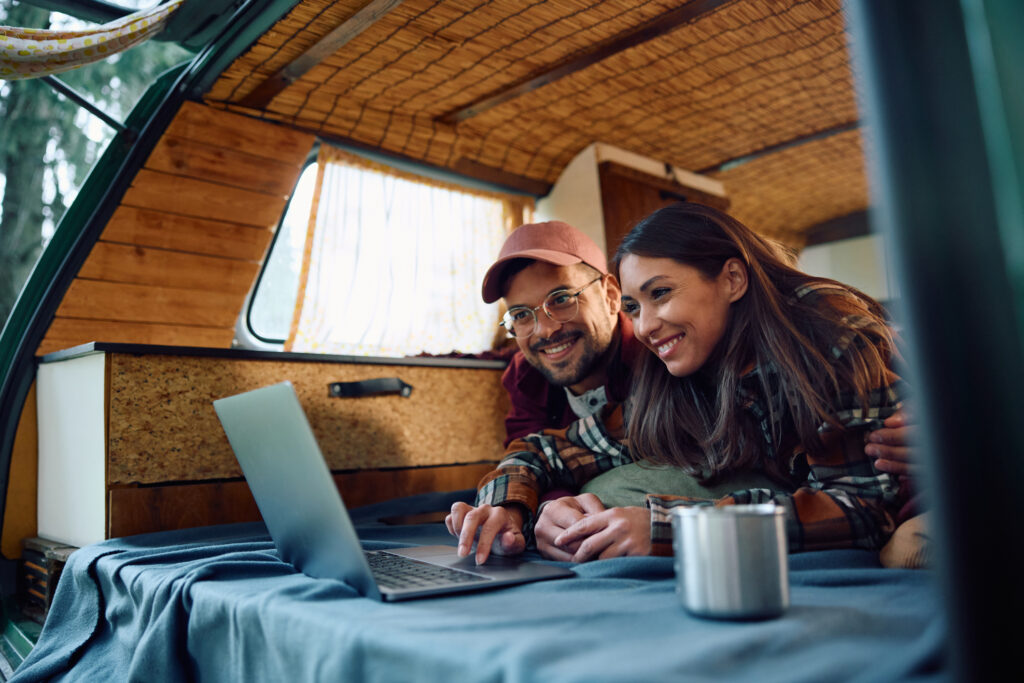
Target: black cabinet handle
{"type": "Point", "coordinates": [369, 387]}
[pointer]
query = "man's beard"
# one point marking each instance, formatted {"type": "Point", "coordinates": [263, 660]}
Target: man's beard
{"type": "Point", "coordinates": [569, 372]}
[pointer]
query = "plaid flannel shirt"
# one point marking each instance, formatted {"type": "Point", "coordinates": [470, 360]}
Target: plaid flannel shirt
{"type": "Point", "coordinates": [840, 499]}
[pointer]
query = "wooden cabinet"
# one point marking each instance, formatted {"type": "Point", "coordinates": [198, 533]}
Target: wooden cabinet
{"type": "Point", "coordinates": [627, 195]}
{"type": "Point", "coordinates": [129, 441]}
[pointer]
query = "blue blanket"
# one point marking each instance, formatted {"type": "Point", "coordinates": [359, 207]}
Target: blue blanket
{"type": "Point", "coordinates": [217, 604]}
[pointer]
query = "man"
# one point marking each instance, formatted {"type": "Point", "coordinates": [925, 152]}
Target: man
{"type": "Point", "coordinates": [576, 351]}
{"type": "Point", "coordinates": [563, 370]}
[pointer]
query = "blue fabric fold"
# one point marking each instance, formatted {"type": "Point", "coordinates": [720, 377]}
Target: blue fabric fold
{"type": "Point", "coordinates": [217, 604]}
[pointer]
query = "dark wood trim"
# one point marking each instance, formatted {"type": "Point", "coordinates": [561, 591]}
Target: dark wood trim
{"type": "Point", "coordinates": [496, 176]}
{"type": "Point", "coordinates": [244, 354]}
{"type": "Point", "coordinates": [499, 180]}
{"type": "Point", "coordinates": [653, 29]}
{"type": "Point", "coordinates": [770, 149]}
{"type": "Point", "coordinates": [263, 93]}
{"type": "Point", "coordinates": [852, 225]}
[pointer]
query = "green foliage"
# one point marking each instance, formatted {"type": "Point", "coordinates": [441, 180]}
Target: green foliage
{"type": "Point", "coordinates": [48, 143]}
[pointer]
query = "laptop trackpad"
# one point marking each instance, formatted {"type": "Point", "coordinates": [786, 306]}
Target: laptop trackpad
{"type": "Point", "coordinates": [497, 566]}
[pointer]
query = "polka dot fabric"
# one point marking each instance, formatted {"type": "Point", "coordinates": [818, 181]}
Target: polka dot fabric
{"type": "Point", "coordinates": [32, 53]}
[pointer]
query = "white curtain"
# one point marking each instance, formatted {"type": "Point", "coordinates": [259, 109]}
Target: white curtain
{"type": "Point", "coordinates": [394, 262]}
{"type": "Point", "coordinates": [32, 53]}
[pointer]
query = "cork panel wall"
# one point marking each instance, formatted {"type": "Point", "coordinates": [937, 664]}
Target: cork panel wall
{"type": "Point", "coordinates": [178, 256]}
{"type": "Point", "coordinates": [163, 427]}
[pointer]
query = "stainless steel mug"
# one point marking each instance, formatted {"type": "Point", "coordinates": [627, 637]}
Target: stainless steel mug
{"type": "Point", "coordinates": [731, 562]}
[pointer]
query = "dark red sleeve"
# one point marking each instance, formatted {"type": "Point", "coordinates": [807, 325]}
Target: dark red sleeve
{"type": "Point", "coordinates": [527, 399]}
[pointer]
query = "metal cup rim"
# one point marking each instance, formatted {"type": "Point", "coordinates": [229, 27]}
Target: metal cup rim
{"type": "Point", "coordinates": [754, 509]}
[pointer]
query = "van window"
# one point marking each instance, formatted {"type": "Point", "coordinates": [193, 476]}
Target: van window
{"type": "Point", "coordinates": [371, 260]}
{"type": "Point", "coordinates": [273, 303]}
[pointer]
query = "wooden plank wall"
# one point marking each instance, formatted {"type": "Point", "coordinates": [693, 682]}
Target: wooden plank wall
{"type": "Point", "coordinates": [176, 260]}
{"type": "Point", "coordinates": [23, 477]}
{"type": "Point", "coordinates": [173, 267]}
{"type": "Point", "coordinates": [145, 509]}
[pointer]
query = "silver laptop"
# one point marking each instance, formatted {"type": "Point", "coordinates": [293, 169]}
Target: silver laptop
{"type": "Point", "coordinates": [310, 526]}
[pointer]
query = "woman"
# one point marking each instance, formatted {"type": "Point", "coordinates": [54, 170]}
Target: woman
{"type": "Point", "coordinates": [732, 323]}
{"type": "Point", "coordinates": [758, 366]}
{"type": "Point", "coordinates": [756, 370]}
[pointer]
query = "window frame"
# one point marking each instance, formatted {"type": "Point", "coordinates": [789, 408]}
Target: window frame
{"type": "Point", "coordinates": [246, 336]}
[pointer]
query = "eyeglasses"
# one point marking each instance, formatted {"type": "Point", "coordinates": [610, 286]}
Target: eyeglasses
{"type": "Point", "coordinates": [561, 306]}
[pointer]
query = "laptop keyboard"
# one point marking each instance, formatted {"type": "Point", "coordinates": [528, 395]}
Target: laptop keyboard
{"type": "Point", "coordinates": [398, 572]}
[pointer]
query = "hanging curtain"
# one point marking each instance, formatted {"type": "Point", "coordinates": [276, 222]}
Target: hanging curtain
{"type": "Point", "coordinates": [32, 53]}
{"type": "Point", "coordinates": [393, 262]}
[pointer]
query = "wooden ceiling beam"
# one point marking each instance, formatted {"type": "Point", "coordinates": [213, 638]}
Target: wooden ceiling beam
{"type": "Point", "coordinates": [262, 94]}
{"type": "Point", "coordinates": [649, 31]}
{"type": "Point", "coordinates": [467, 168]}
{"type": "Point", "coordinates": [729, 164]}
{"type": "Point", "coordinates": [856, 224]}
{"type": "Point", "coordinates": [497, 176]}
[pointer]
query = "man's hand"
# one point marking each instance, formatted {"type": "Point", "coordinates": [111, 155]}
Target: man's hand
{"type": "Point", "coordinates": [616, 532]}
{"type": "Point", "coordinates": [559, 515]}
{"type": "Point", "coordinates": [891, 445]}
{"type": "Point", "coordinates": [489, 525]}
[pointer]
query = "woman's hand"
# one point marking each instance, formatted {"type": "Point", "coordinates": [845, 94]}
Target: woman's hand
{"type": "Point", "coordinates": [891, 445]}
{"type": "Point", "coordinates": [616, 532]}
{"type": "Point", "coordinates": [559, 515]}
{"type": "Point", "coordinates": [490, 525]}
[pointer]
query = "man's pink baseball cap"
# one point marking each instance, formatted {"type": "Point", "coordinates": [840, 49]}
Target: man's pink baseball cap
{"type": "Point", "coordinates": [553, 242]}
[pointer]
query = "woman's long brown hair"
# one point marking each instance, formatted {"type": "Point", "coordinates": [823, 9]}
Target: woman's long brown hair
{"type": "Point", "coordinates": [697, 422]}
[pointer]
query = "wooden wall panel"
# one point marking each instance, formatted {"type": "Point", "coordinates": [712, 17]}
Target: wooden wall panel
{"type": "Point", "coordinates": [22, 483]}
{"type": "Point", "coordinates": [140, 510]}
{"type": "Point", "coordinates": [65, 333]}
{"type": "Point", "coordinates": [257, 137]}
{"type": "Point", "coordinates": [144, 509]}
{"type": "Point", "coordinates": [227, 166]}
{"type": "Point", "coordinates": [123, 263]}
{"type": "Point", "coordinates": [190, 235]}
{"type": "Point", "coordinates": [147, 228]}
{"type": "Point", "coordinates": [118, 301]}
{"type": "Point", "coordinates": [202, 198]}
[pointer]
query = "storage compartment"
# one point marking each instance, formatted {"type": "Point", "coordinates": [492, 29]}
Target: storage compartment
{"type": "Point", "coordinates": [129, 441]}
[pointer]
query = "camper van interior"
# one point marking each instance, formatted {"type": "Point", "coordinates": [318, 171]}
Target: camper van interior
{"type": "Point", "coordinates": [314, 194]}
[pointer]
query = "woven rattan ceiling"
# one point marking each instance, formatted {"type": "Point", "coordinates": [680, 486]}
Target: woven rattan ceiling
{"type": "Point", "coordinates": [756, 93]}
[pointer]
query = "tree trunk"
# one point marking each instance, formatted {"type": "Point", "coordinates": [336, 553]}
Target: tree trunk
{"type": "Point", "coordinates": [26, 115]}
